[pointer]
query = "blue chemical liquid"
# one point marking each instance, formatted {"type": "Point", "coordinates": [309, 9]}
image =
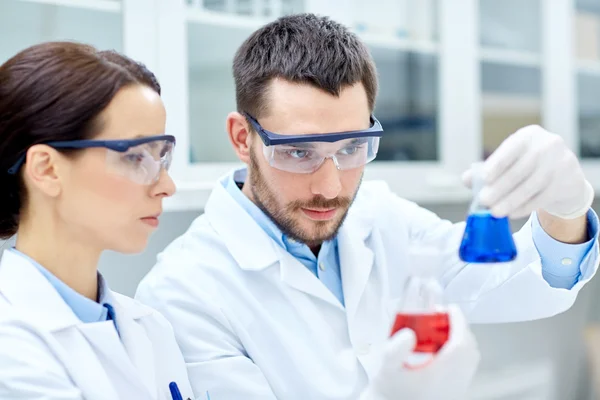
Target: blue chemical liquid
{"type": "Point", "coordinates": [487, 239]}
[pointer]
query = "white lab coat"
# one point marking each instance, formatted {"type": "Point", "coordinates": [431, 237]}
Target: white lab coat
{"type": "Point", "coordinates": [46, 352]}
{"type": "Point", "coordinates": [254, 323]}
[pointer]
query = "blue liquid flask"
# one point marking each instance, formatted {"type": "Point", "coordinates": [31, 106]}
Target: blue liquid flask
{"type": "Point", "coordinates": [487, 239]}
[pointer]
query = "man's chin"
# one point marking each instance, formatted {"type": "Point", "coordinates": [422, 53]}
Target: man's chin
{"type": "Point", "coordinates": [318, 232]}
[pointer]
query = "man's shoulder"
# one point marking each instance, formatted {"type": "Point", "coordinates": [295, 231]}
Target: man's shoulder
{"type": "Point", "coordinates": [377, 200]}
{"type": "Point", "coordinates": [199, 252]}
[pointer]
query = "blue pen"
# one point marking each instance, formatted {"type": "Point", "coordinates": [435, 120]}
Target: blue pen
{"type": "Point", "coordinates": [175, 393]}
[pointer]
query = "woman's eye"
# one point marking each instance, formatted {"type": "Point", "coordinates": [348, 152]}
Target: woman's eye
{"type": "Point", "coordinates": [133, 158]}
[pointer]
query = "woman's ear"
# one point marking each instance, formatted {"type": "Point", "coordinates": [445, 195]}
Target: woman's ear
{"type": "Point", "coordinates": [41, 169]}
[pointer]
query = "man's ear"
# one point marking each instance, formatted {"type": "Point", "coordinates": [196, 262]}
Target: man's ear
{"type": "Point", "coordinates": [239, 135]}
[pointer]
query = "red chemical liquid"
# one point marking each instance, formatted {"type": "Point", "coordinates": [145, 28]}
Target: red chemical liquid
{"type": "Point", "coordinates": [432, 330]}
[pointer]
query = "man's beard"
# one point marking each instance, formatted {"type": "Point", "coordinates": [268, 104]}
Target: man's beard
{"type": "Point", "coordinates": [265, 199]}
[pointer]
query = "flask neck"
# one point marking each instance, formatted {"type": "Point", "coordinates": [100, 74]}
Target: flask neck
{"type": "Point", "coordinates": [422, 295]}
{"type": "Point", "coordinates": [478, 182]}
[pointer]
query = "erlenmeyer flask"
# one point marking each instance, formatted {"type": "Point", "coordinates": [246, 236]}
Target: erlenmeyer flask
{"type": "Point", "coordinates": [487, 239]}
{"type": "Point", "coordinates": [422, 307]}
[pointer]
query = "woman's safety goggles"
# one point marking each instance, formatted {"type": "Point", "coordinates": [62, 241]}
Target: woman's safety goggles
{"type": "Point", "coordinates": [140, 160]}
{"type": "Point", "coordinates": [305, 154]}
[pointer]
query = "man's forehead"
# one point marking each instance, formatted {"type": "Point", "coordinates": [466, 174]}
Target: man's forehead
{"type": "Point", "coordinates": [295, 115]}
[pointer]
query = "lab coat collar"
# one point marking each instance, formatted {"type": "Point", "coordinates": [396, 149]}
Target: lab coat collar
{"type": "Point", "coordinates": [253, 249]}
{"type": "Point", "coordinates": [40, 302]}
{"type": "Point", "coordinates": [356, 259]}
{"type": "Point", "coordinates": [246, 241]}
{"type": "Point", "coordinates": [138, 358]}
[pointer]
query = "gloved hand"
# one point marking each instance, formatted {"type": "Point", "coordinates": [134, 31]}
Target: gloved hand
{"type": "Point", "coordinates": [448, 376]}
{"type": "Point", "coordinates": [534, 169]}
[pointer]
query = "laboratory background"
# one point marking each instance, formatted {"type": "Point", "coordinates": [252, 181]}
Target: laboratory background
{"type": "Point", "coordinates": [457, 77]}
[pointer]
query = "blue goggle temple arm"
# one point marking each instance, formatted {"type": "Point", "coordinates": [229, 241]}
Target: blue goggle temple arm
{"type": "Point", "coordinates": [117, 145]}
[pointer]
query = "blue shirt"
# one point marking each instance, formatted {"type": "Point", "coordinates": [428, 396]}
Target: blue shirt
{"type": "Point", "coordinates": [326, 267]}
{"type": "Point", "coordinates": [561, 262]}
{"type": "Point", "coordinates": [85, 309]}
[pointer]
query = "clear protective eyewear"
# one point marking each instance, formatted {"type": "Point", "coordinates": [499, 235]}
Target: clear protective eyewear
{"type": "Point", "coordinates": [140, 160]}
{"type": "Point", "coordinates": [306, 153]}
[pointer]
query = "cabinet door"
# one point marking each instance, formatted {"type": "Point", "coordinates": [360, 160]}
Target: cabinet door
{"type": "Point", "coordinates": [96, 22]}
{"type": "Point", "coordinates": [511, 73]}
{"type": "Point", "coordinates": [215, 30]}
{"type": "Point", "coordinates": [587, 53]}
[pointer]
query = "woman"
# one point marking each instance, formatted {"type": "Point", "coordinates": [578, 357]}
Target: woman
{"type": "Point", "coordinates": [83, 169]}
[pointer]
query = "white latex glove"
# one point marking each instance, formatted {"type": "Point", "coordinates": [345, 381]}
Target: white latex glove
{"type": "Point", "coordinates": [534, 169]}
{"type": "Point", "coordinates": [448, 376]}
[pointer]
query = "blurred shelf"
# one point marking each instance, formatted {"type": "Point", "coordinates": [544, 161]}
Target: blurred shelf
{"type": "Point", "coordinates": [397, 43]}
{"type": "Point", "coordinates": [510, 57]}
{"type": "Point", "coordinates": [223, 19]}
{"type": "Point", "coordinates": [100, 5]}
{"type": "Point", "coordinates": [588, 67]}
{"type": "Point", "coordinates": [513, 105]}
{"type": "Point", "coordinates": [228, 20]}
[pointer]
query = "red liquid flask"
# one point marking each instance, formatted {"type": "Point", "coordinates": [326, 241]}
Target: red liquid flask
{"type": "Point", "coordinates": [432, 330]}
{"type": "Point", "coordinates": [421, 307]}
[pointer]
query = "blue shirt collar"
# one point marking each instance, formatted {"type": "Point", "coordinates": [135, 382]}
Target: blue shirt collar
{"type": "Point", "coordinates": [85, 309]}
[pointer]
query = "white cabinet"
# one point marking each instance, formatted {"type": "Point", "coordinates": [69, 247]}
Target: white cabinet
{"type": "Point", "coordinates": [511, 68]}
{"type": "Point", "coordinates": [587, 54]}
{"type": "Point", "coordinates": [419, 98]}
{"type": "Point", "coordinates": [24, 23]}
{"type": "Point", "coordinates": [457, 76]}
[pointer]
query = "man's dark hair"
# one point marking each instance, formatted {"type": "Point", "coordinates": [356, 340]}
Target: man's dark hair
{"type": "Point", "coordinates": [302, 48]}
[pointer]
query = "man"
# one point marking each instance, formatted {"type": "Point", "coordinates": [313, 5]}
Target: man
{"type": "Point", "coordinates": [285, 287]}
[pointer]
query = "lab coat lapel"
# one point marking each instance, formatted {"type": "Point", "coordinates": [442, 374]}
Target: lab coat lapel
{"type": "Point", "coordinates": [296, 275]}
{"type": "Point", "coordinates": [246, 241]}
{"type": "Point", "coordinates": [356, 261]}
{"type": "Point", "coordinates": [32, 295]}
{"type": "Point", "coordinates": [137, 344]}
{"type": "Point", "coordinates": [103, 337]}
{"type": "Point", "coordinates": [83, 365]}
{"type": "Point", "coordinates": [54, 316]}
{"type": "Point", "coordinates": [254, 250]}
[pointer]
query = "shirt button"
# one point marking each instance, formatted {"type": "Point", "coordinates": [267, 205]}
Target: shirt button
{"type": "Point", "coordinates": [322, 266]}
{"type": "Point", "coordinates": [363, 350]}
{"type": "Point", "coordinates": [566, 261]}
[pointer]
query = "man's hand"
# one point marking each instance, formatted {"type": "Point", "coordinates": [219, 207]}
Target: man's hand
{"type": "Point", "coordinates": [448, 376]}
{"type": "Point", "coordinates": [534, 169]}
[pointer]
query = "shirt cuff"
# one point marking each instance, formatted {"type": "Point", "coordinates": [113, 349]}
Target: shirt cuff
{"type": "Point", "coordinates": [561, 262]}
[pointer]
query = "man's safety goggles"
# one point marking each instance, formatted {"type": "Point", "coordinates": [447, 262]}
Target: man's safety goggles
{"type": "Point", "coordinates": [140, 160]}
{"type": "Point", "coordinates": [305, 154]}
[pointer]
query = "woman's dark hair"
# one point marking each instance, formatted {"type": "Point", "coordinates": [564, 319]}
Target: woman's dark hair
{"type": "Point", "coordinates": [54, 91]}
